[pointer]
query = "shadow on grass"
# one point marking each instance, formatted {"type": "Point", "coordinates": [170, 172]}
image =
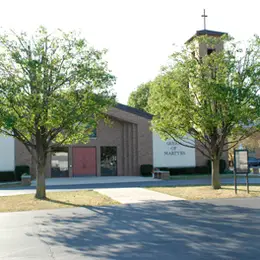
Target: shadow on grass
{"type": "Point", "coordinates": [64, 203]}
{"type": "Point", "coordinates": [73, 205]}
{"type": "Point", "coordinates": [158, 230]}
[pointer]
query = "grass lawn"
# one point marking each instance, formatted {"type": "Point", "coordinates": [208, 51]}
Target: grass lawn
{"type": "Point", "coordinates": [10, 185]}
{"type": "Point", "coordinates": [206, 192]}
{"type": "Point", "coordinates": [55, 200]}
{"type": "Point", "coordinates": [207, 176]}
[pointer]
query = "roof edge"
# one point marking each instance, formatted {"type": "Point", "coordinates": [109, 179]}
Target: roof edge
{"type": "Point", "coordinates": [206, 32]}
{"type": "Point", "coordinates": [134, 110]}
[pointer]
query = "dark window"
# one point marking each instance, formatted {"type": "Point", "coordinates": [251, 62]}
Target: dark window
{"type": "Point", "coordinates": [59, 162]}
{"type": "Point", "coordinates": [93, 134]}
{"type": "Point", "coordinates": [92, 131]}
{"type": "Point", "coordinates": [209, 51]}
{"type": "Point", "coordinates": [108, 160]}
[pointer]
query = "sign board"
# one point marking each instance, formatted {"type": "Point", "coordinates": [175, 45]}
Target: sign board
{"type": "Point", "coordinates": [241, 161]}
{"type": "Point", "coordinates": [241, 166]}
{"type": "Point", "coordinates": [170, 154]}
{"type": "Point", "coordinates": [7, 153]}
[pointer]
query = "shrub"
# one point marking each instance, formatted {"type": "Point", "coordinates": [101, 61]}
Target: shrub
{"type": "Point", "coordinates": [7, 176]}
{"type": "Point", "coordinates": [189, 170]}
{"type": "Point", "coordinates": [222, 166]}
{"type": "Point", "coordinates": [177, 171]}
{"type": "Point", "coordinates": [202, 170]}
{"type": "Point", "coordinates": [21, 169]}
{"type": "Point", "coordinates": [146, 169]}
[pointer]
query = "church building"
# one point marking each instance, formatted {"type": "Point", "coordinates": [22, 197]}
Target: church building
{"type": "Point", "coordinates": [118, 149]}
{"type": "Point", "coordinates": [115, 149]}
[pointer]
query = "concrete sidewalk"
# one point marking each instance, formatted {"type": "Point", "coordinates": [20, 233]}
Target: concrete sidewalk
{"type": "Point", "coordinates": [136, 195]}
{"type": "Point", "coordinates": [130, 182]}
{"type": "Point", "coordinates": [95, 180]}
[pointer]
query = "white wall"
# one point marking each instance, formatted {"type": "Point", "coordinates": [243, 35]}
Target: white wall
{"type": "Point", "coordinates": [7, 153]}
{"type": "Point", "coordinates": [171, 154]}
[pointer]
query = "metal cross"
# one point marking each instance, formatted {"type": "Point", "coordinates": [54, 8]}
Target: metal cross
{"type": "Point", "coordinates": [204, 16]}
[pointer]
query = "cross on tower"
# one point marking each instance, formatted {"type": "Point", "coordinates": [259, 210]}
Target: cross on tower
{"type": "Point", "coordinates": [204, 17]}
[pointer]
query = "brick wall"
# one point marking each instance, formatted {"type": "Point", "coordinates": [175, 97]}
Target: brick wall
{"type": "Point", "coordinates": [130, 133]}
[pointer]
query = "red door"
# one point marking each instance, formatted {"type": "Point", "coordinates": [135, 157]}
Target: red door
{"type": "Point", "coordinates": [84, 161]}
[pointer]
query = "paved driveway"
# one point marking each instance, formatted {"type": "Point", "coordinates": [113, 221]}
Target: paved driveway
{"type": "Point", "coordinates": [217, 229]}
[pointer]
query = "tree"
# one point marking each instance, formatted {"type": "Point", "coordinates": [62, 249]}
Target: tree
{"type": "Point", "coordinates": [54, 88]}
{"type": "Point", "coordinates": [139, 98]}
{"type": "Point", "coordinates": [213, 99]}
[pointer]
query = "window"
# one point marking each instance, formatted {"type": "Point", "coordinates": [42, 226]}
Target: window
{"type": "Point", "coordinates": [209, 51]}
{"type": "Point", "coordinates": [108, 160]}
{"type": "Point", "coordinates": [59, 162]}
{"type": "Point", "coordinates": [93, 134]}
{"type": "Point", "coordinates": [92, 130]}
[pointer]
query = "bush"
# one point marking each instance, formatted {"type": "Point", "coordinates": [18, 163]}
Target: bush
{"type": "Point", "coordinates": [146, 169]}
{"type": "Point", "coordinates": [20, 170]}
{"type": "Point", "coordinates": [202, 170]}
{"type": "Point", "coordinates": [7, 176]}
{"type": "Point", "coordinates": [189, 170]}
{"type": "Point", "coordinates": [222, 165]}
{"type": "Point", "coordinates": [206, 169]}
{"type": "Point", "coordinates": [177, 171]}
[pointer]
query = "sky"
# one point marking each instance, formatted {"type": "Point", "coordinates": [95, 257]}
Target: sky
{"type": "Point", "coordinates": [139, 34]}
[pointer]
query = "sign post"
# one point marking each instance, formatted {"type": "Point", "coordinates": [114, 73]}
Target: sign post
{"type": "Point", "coordinates": [235, 181]}
{"type": "Point", "coordinates": [241, 166]}
{"type": "Point", "coordinates": [247, 183]}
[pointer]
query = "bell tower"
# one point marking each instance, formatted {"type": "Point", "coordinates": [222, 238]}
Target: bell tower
{"type": "Point", "coordinates": [204, 48]}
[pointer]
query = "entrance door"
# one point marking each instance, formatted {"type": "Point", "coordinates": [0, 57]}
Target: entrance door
{"type": "Point", "coordinates": [108, 161]}
{"type": "Point", "coordinates": [84, 161]}
{"type": "Point", "coordinates": [59, 164]}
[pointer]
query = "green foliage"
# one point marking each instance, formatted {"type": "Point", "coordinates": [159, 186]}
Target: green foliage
{"type": "Point", "coordinates": [54, 88]}
{"type": "Point", "coordinates": [139, 98]}
{"type": "Point", "coordinates": [210, 98]}
{"type": "Point", "coordinates": [52, 83]}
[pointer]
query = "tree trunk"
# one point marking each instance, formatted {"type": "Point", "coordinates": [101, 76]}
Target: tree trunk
{"type": "Point", "coordinates": [40, 180]}
{"type": "Point", "coordinates": [215, 176]}
{"type": "Point", "coordinates": [41, 158]}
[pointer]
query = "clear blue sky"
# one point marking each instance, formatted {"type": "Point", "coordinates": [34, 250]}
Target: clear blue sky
{"type": "Point", "coordinates": [139, 34]}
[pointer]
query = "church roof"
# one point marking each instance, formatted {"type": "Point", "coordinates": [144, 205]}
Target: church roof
{"type": "Point", "coordinates": [133, 110]}
{"type": "Point", "coordinates": [206, 32]}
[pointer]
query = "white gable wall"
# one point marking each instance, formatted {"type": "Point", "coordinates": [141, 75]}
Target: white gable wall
{"type": "Point", "coordinates": [172, 155]}
{"type": "Point", "coordinates": [7, 153]}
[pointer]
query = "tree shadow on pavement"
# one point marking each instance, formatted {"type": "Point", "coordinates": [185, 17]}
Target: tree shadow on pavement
{"type": "Point", "coordinates": [66, 203]}
{"type": "Point", "coordinates": [158, 230]}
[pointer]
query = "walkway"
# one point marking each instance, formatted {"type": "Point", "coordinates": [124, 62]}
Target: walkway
{"type": "Point", "coordinates": [131, 183]}
{"type": "Point", "coordinates": [95, 180]}
{"type": "Point", "coordinates": [135, 195]}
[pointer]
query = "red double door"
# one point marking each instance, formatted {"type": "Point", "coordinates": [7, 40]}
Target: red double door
{"type": "Point", "coordinates": [84, 161]}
